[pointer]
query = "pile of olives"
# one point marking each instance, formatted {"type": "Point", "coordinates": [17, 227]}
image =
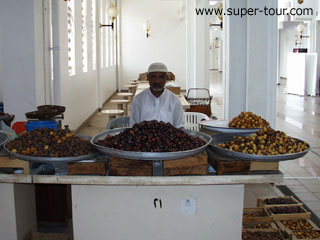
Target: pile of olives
{"type": "Point", "coordinates": [49, 143]}
{"type": "Point", "coordinates": [248, 120]}
{"type": "Point", "coordinates": [265, 142]}
{"type": "Point", "coordinates": [152, 136]}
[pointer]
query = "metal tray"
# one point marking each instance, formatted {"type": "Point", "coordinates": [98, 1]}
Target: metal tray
{"type": "Point", "coordinates": [149, 155]}
{"type": "Point", "coordinates": [222, 126]}
{"type": "Point", "coordinates": [3, 139]}
{"type": "Point", "coordinates": [5, 117]}
{"type": "Point", "coordinates": [52, 159]}
{"type": "Point", "coordinates": [221, 138]}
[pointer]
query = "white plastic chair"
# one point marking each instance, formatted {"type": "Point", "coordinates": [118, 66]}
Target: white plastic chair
{"type": "Point", "coordinates": [118, 123]}
{"type": "Point", "coordinates": [192, 120]}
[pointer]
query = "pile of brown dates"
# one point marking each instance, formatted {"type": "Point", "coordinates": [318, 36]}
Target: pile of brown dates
{"type": "Point", "coordinates": [248, 120]}
{"type": "Point", "coordinates": [313, 234]}
{"type": "Point", "coordinates": [297, 224]}
{"type": "Point", "coordinates": [49, 143]}
{"type": "Point", "coordinates": [152, 136]}
{"type": "Point", "coordinates": [265, 142]}
{"type": "Point", "coordinates": [287, 210]}
{"type": "Point", "coordinates": [279, 200]}
{"type": "Point", "coordinates": [261, 235]}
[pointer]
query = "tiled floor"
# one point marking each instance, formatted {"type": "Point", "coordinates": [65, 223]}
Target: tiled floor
{"type": "Point", "coordinates": [297, 116]}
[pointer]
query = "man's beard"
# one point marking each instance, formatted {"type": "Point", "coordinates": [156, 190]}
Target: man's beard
{"type": "Point", "coordinates": [157, 89]}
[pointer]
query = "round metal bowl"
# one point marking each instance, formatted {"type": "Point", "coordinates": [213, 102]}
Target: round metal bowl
{"type": "Point", "coordinates": [51, 159]}
{"type": "Point", "coordinates": [3, 139]}
{"type": "Point", "coordinates": [222, 126]}
{"type": "Point", "coordinates": [222, 138]}
{"type": "Point", "coordinates": [148, 155]}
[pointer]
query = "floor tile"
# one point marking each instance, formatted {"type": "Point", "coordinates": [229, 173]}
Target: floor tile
{"type": "Point", "coordinates": [313, 188]}
{"type": "Point", "coordinates": [317, 213]}
{"type": "Point", "coordinates": [313, 205]}
{"type": "Point", "coordinates": [309, 181]}
{"type": "Point", "coordinates": [292, 182]}
{"type": "Point", "coordinates": [317, 194]}
{"type": "Point", "coordinates": [307, 197]}
{"type": "Point", "coordinates": [298, 189]}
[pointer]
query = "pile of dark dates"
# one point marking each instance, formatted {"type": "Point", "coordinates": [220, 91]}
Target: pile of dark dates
{"type": "Point", "coordinates": [287, 210]}
{"type": "Point", "coordinates": [49, 143]}
{"type": "Point", "coordinates": [261, 235]}
{"type": "Point", "coordinates": [152, 136]}
{"type": "Point", "coordinates": [279, 200]}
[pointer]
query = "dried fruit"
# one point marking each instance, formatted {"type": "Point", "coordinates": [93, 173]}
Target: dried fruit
{"type": "Point", "coordinates": [152, 136]}
{"type": "Point", "coordinates": [261, 235]}
{"type": "Point", "coordinates": [287, 210]}
{"type": "Point", "coordinates": [297, 224]}
{"type": "Point", "coordinates": [248, 120]}
{"type": "Point", "coordinates": [48, 143]}
{"type": "Point", "coordinates": [279, 200]}
{"type": "Point", "coordinates": [265, 142]}
{"type": "Point", "coordinates": [314, 234]}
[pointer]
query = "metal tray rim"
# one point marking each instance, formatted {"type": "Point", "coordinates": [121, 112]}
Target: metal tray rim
{"type": "Point", "coordinates": [252, 157]}
{"type": "Point", "coordinates": [149, 155]}
{"type": "Point", "coordinates": [50, 159]}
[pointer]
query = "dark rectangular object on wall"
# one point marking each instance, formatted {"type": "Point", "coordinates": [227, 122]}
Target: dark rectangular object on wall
{"type": "Point", "coordinates": [300, 50]}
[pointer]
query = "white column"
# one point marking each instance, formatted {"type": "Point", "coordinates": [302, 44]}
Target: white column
{"type": "Point", "coordinates": [235, 60]}
{"type": "Point", "coordinates": [22, 56]}
{"type": "Point", "coordinates": [197, 46]}
{"type": "Point", "coordinates": [262, 34]}
{"type": "Point", "coordinates": [251, 61]}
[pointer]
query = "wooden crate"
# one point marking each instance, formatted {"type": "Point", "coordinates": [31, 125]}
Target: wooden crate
{"type": "Point", "coordinates": [261, 203]}
{"type": "Point", "coordinates": [195, 165]}
{"type": "Point", "coordinates": [285, 228]}
{"type": "Point", "coordinates": [259, 225]}
{"type": "Point", "coordinates": [284, 235]}
{"type": "Point", "coordinates": [294, 237]}
{"type": "Point", "coordinates": [305, 214]}
{"type": "Point", "coordinates": [260, 216]}
{"type": "Point", "coordinates": [94, 168]}
{"type": "Point", "coordinates": [224, 165]}
{"type": "Point", "coordinates": [47, 236]}
{"type": "Point", "coordinates": [8, 162]}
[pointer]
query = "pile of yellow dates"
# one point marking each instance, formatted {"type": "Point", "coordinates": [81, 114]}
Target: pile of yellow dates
{"type": "Point", "coordinates": [248, 120]}
{"type": "Point", "coordinates": [265, 142]}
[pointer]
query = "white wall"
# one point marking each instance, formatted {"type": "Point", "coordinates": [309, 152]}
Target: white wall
{"type": "Point", "coordinates": [21, 56]}
{"type": "Point", "coordinates": [83, 92]}
{"type": "Point", "coordinates": [167, 41]}
{"type": "Point", "coordinates": [287, 44]}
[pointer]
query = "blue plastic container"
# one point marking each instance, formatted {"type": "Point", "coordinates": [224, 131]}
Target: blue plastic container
{"type": "Point", "coordinates": [40, 124]}
{"type": "Point", "coordinates": [1, 107]}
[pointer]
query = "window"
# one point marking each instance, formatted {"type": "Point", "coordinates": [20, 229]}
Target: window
{"type": "Point", "coordinates": [94, 34]}
{"type": "Point", "coordinates": [84, 5]}
{"type": "Point", "coordinates": [71, 37]}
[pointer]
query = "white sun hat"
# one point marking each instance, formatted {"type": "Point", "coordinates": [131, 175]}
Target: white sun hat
{"type": "Point", "coordinates": [157, 67]}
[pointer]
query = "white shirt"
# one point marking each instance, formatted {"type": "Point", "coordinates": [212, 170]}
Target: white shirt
{"type": "Point", "coordinates": [167, 108]}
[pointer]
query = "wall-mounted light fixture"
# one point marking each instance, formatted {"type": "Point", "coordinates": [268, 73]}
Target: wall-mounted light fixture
{"type": "Point", "coordinates": [220, 12]}
{"type": "Point", "coordinates": [112, 12]}
{"type": "Point", "coordinates": [301, 27]}
{"type": "Point", "coordinates": [147, 27]}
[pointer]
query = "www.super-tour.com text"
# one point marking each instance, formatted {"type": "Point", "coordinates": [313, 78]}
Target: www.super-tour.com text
{"type": "Point", "coordinates": [256, 11]}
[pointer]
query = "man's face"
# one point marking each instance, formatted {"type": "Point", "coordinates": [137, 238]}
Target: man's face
{"type": "Point", "coordinates": [157, 80]}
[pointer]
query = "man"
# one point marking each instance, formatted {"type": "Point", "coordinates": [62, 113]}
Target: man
{"type": "Point", "coordinates": [156, 102]}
